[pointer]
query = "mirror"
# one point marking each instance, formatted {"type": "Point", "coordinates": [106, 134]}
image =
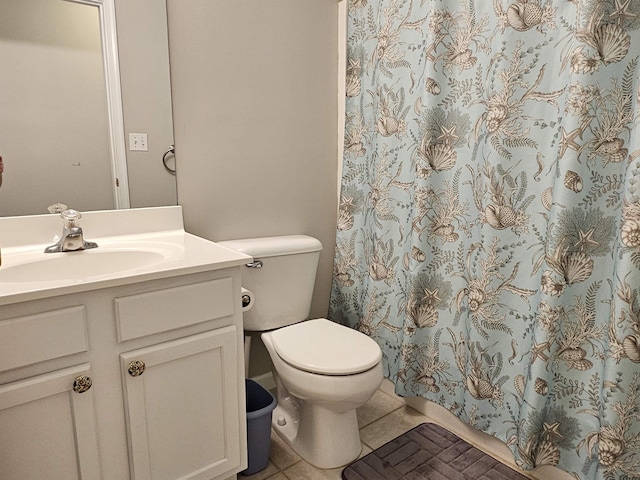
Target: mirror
{"type": "Point", "coordinates": [62, 123]}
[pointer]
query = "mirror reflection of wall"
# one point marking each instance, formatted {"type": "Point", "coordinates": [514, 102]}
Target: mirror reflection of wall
{"type": "Point", "coordinates": [54, 130]}
{"type": "Point", "coordinates": [54, 136]}
{"type": "Point", "coordinates": [143, 51]}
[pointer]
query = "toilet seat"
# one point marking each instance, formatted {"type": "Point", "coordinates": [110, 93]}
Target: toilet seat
{"type": "Point", "coordinates": [324, 347]}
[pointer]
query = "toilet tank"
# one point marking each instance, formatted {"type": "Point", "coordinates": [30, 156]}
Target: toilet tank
{"type": "Point", "coordinates": [283, 286]}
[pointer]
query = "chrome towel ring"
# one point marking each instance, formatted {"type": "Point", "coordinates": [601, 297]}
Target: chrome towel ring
{"type": "Point", "coordinates": [171, 150]}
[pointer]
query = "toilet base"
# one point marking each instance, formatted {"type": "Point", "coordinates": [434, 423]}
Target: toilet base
{"type": "Point", "coordinates": [322, 437]}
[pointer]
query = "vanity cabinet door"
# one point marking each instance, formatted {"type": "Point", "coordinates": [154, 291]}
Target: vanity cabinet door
{"type": "Point", "coordinates": [182, 407]}
{"type": "Point", "coordinates": [48, 427]}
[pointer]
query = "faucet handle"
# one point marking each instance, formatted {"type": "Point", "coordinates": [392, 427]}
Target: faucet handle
{"type": "Point", "coordinates": [57, 208]}
{"type": "Point", "coordinates": [71, 218]}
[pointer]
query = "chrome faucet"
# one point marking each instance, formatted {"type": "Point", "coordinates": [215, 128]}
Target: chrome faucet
{"type": "Point", "coordinates": [72, 238]}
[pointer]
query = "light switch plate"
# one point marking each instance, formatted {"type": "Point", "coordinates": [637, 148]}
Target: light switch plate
{"type": "Point", "coordinates": [138, 141]}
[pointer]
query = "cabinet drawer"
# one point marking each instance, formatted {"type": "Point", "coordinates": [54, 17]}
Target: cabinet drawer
{"type": "Point", "coordinates": [42, 336]}
{"type": "Point", "coordinates": [171, 308]}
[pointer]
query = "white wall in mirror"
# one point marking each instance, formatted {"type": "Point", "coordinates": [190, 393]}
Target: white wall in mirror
{"type": "Point", "coordinates": [58, 134]}
{"type": "Point", "coordinates": [54, 133]}
{"type": "Point", "coordinates": [143, 54]}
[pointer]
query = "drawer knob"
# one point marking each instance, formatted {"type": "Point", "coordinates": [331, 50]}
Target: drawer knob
{"type": "Point", "coordinates": [82, 383]}
{"type": "Point", "coordinates": [136, 368]}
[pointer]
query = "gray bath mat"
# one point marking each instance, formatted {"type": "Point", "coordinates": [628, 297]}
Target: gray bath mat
{"type": "Point", "coordinates": [428, 452]}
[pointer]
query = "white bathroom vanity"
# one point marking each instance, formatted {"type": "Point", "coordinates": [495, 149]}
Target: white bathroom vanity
{"type": "Point", "coordinates": [123, 361]}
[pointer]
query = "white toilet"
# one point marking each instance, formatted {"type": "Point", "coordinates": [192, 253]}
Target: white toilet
{"type": "Point", "coordinates": [323, 370]}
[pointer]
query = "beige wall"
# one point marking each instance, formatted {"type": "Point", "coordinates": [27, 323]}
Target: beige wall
{"type": "Point", "coordinates": [255, 119]}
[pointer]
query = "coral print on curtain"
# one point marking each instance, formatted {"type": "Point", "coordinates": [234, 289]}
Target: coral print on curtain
{"type": "Point", "coordinates": [489, 224]}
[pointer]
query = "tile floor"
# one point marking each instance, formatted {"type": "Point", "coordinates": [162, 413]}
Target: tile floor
{"type": "Point", "coordinates": [382, 419]}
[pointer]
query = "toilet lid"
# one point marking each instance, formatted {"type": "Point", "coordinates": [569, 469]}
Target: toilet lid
{"type": "Point", "coordinates": [327, 348]}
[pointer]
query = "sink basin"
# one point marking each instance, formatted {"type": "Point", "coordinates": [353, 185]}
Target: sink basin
{"type": "Point", "coordinates": [80, 265]}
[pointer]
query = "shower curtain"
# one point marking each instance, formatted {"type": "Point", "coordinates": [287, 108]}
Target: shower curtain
{"type": "Point", "coordinates": [489, 224]}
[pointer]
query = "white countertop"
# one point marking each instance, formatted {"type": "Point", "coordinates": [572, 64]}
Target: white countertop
{"type": "Point", "coordinates": [158, 230]}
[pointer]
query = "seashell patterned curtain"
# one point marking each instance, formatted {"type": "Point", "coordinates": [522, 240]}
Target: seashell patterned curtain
{"type": "Point", "coordinates": [489, 225]}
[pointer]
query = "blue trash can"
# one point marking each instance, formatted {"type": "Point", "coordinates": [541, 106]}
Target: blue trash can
{"type": "Point", "coordinates": [260, 405]}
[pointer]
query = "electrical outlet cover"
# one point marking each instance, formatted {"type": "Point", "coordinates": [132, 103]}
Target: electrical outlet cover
{"type": "Point", "coordinates": [138, 141]}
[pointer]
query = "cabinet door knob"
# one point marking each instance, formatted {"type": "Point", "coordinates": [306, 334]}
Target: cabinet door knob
{"type": "Point", "coordinates": [82, 383]}
{"type": "Point", "coordinates": [136, 368]}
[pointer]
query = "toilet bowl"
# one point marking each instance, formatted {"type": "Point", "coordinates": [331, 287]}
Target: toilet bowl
{"type": "Point", "coordinates": [323, 371]}
{"type": "Point", "coordinates": [319, 387]}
